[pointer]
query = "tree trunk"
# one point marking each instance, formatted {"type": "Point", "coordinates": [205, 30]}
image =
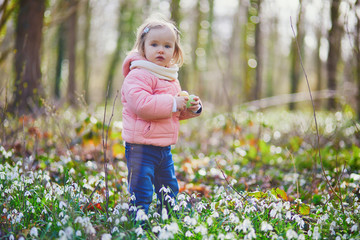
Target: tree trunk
{"type": "Point", "coordinates": [86, 50]}
{"type": "Point", "coordinates": [71, 46]}
{"type": "Point", "coordinates": [258, 52]}
{"type": "Point", "coordinates": [334, 40]}
{"type": "Point", "coordinates": [60, 57]}
{"type": "Point", "coordinates": [357, 53]}
{"type": "Point", "coordinates": [115, 59]}
{"type": "Point", "coordinates": [27, 57]}
{"type": "Point", "coordinates": [295, 58]}
{"type": "Point", "coordinates": [175, 11]}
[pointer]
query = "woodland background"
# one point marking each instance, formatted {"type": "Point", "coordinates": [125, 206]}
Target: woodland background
{"type": "Point", "coordinates": [262, 161]}
{"type": "Point", "coordinates": [237, 51]}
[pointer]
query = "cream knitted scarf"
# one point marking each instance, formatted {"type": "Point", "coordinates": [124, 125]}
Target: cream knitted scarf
{"type": "Point", "coordinates": [169, 74]}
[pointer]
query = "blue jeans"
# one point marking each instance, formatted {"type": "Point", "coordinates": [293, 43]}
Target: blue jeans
{"type": "Point", "coordinates": [150, 166]}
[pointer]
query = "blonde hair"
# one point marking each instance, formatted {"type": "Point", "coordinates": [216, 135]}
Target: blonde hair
{"type": "Point", "coordinates": [155, 22]}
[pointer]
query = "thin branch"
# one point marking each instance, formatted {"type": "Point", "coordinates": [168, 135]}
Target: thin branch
{"type": "Point", "coordinates": [316, 124]}
{"type": "Point", "coordinates": [227, 181]}
{"type": "Point", "coordinates": [104, 141]}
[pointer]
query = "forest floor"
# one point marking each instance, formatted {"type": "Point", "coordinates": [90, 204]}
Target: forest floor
{"type": "Point", "coordinates": [246, 174]}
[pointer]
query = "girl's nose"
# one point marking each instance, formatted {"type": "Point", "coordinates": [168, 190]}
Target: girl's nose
{"type": "Point", "coordinates": [161, 50]}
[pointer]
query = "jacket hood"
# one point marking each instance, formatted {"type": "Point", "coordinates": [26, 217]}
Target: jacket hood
{"type": "Point", "coordinates": [133, 56]}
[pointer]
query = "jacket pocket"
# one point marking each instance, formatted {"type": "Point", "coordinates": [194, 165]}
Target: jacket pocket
{"type": "Point", "coordinates": [149, 128]}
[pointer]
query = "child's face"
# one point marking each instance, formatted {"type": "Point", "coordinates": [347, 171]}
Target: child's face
{"type": "Point", "coordinates": [159, 46]}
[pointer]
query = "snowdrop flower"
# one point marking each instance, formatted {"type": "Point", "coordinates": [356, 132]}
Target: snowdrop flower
{"type": "Point", "coordinates": [115, 229]}
{"type": "Point", "coordinates": [201, 206]}
{"type": "Point", "coordinates": [11, 237]}
{"type": "Point", "coordinates": [156, 229]}
{"type": "Point", "coordinates": [250, 235]}
{"type": "Point", "coordinates": [141, 216]}
{"type": "Point", "coordinates": [123, 218]}
{"type": "Point", "coordinates": [164, 214]}
{"type": "Point", "coordinates": [316, 234]}
{"type": "Point", "coordinates": [164, 235]}
{"type": "Point", "coordinates": [78, 233]}
{"type": "Point", "coordinates": [265, 226]}
{"type": "Point", "coordinates": [210, 221]}
{"type": "Point", "coordinates": [173, 227]}
{"type": "Point", "coordinates": [291, 234]}
{"type": "Point", "coordinates": [156, 215]}
{"type": "Point", "coordinates": [132, 208]}
{"type": "Point", "coordinates": [164, 189]}
{"type": "Point", "coordinates": [139, 231]}
{"type": "Point", "coordinates": [27, 193]}
{"type": "Point", "coordinates": [69, 231]}
{"type": "Point", "coordinates": [124, 206]}
{"type": "Point", "coordinates": [201, 229]}
{"type": "Point", "coordinates": [215, 214]}
{"type": "Point", "coordinates": [190, 221]}
{"type": "Point", "coordinates": [188, 234]}
{"type": "Point", "coordinates": [133, 198]}
{"type": "Point", "coordinates": [62, 205]}
{"type": "Point", "coordinates": [181, 197]}
{"type": "Point", "coordinates": [301, 237]}
{"type": "Point", "coordinates": [106, 236]}
{"type": "Point", "coordinates": [233, 218]}
{"type": "Point", "coordinates": [288, 215]}
{"type": "Point", "coordinates": [34, 232]}
{"type": "Point", "coordinates": [354, 228]}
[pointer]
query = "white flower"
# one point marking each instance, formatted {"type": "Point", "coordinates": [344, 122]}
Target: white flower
{"type": "Point", "coordinates": [156, 229]}
{"type": "Point", "coordinates": [78, 233]}
{"type": "Point", "coordinates": [316, 234]}
{"type": "Point", "coordinates": [291, 234]}
{"type": "Point", "coordinates": [27, 193]}
{"type": "Point", "coordinates": [106, 236]}
{"type": "Point", "coordinates": [188, 234]}
{"type": "Point", "coordinates": [164, 189]}
{"type": "Point", "coordinates": [156, 215]}
{"type": "Point", "coordinates": [11, 237]}
{"type": "Point", "coordinates": [34, 232]}
{"type": "Point", "coordinates": [62, 205]}
{"type": "Point", "coordinates": [69, 231]}
{"type": "Point", "coordinates": [141, 216]}
{"type": "Point", "coordinates": [210, 221]}
{"type": "Point", "coordinates": [265, 226]}
{"type": "Point", "coordinates": [123, 218]}
{"type": "Point", "coordinates": [164, 214]}
{"type": "Point", "coordinates": [190, 221]}
{"type": "Point", "coordinates": [354, 228]}
{"type": "Point", "coordinates": [173, 227]}
{"type": "Point", "coordinates": [164, 235]}
{"type": "Point", "coordinates": [201, 229]}
{"type": "Point", "coordinates": [139, 231]}
{"type": "Point", "coordinates": [115, 229]}
{"type": "Point", "coordinates": [124, 206]}
{"type": "Point", "coordinates": [250, 235]}
{"type": "Point", "coordinates": [181, 197]}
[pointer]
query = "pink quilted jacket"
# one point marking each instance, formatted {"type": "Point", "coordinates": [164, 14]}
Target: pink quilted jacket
{"type": "Point", "coordinates": [147, 107]}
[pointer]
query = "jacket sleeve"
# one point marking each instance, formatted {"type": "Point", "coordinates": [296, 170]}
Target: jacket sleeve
{"type": "Point", "coordinates": [138, 91]}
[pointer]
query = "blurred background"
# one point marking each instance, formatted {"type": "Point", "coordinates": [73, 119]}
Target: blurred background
{"type": "Point", "coordinates": [238, 52]}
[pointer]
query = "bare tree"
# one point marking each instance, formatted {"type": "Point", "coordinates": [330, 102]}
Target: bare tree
{"type": "Point", "coordinates": [334, 38]}
{"type": "Point", "coordinates": [27, 57]}
{"type": "Point", "coordinates": [295, 70]}
{"type": "Point", "coordinates": [71, 45]}
{"type": "Point", "coordinates": [357, 54]}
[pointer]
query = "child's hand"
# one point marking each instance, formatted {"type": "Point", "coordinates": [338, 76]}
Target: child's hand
{"type": "Point", "coordinates": [195, 104]}
{"type": "Point", "coordinates": [181, 102]}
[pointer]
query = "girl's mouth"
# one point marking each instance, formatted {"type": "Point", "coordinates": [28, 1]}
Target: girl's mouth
{"type": "Point", "coordinates": [160, 58]}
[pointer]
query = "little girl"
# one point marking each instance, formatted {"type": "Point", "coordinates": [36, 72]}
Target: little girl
{"type": "Point", "coordinates": [152, 108]}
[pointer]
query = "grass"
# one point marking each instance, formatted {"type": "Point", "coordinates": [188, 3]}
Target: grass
{"type": "Point", "coordinates": [248, 175]}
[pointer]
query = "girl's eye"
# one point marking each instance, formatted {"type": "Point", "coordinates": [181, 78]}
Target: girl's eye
{"type": "Point", "coordinates": [167, 46]}
{"type": "Point", "coordinates": [153, 44]}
